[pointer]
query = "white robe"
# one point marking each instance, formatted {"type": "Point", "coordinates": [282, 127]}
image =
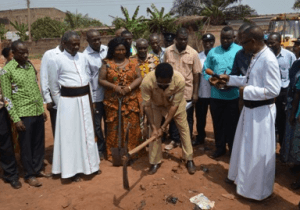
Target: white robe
{"type": "Point", "coordinates": [252, 163]}
{"type": "Point", "coordinates": [75, 150]}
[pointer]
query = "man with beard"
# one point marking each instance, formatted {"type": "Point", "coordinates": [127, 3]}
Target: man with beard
{"type": "Point", "coordinates": [185, 60]}
{"type": "Point", "coordinates": [157, 50]}
{"type": "Point", "coordinates": [208, 41]}
{"type": "Point", "coordinates": [163, 96]}
{"type": "Point", "coordinates": [224, 101]}
{"type": "Point", "coordinates": [75, 149]}
{"type": "Point", "coordinates": [95, 53]}
{"type": "Point", "coordinates": [285, 60]}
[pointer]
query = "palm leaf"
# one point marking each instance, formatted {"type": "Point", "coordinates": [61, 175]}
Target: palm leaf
{"type": "Point", "coordinates": [136, 12]}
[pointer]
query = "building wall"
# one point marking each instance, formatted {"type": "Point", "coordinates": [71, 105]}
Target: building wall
{"type": "Point", "coordinates": [21, 16]}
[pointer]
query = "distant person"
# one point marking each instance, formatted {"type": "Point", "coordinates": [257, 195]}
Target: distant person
{"type": "Point", "coordinates": [296, 48]}
{"type": "Point", "coordinates": [224, 103]}
{"type": "Point", "coordinates": [95, 53]}
{"type": "Point", "coordinates": [156, 49]}
{"type": "Point", "coordinates": [75, 149]}
{"type": "Point", "coordinates": [201, 107]}
{"type": "Point", "coordinates": [7, 156]}
{"type": "Point", "coordinates": [24, 103]}
{"type": "Point", "coordinates": [127, 35]}
{"type": "Point", "coordinates": [253, 158]}
{"type": "Point", "coordinates": [185, 60]}
{"type": "Point", "coordinates": [285, 60]}
{"type": "Point", "coordinates": [169, 39]}
{"type": "Point", "coordinates": [44, 82]}
{"type": "Point", "coordinates": [163, 96]}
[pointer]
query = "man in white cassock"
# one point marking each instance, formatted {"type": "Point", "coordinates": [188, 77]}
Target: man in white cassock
{"type": "Point", "coordinates": [252, 163]}
{"type": "Point", "coordinates": [75, 149]}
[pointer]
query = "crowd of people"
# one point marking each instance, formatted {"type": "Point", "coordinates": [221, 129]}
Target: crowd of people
{"type": "Point", "coordinates": [250, 83]}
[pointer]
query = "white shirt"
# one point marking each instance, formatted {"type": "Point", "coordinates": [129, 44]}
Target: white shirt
{"type": "Point", "coordinates": [68, 71]}
{"type": "Point", "coordinates": [161, 55]}
{"type": "Point", "coordinates": [204, 87]}
{"type": "Point", "coordinates": [44, 72]}
{"type": "Point", "coordinates": [285, 60]}
{"type": "Point", "coordinates": [95, 62]}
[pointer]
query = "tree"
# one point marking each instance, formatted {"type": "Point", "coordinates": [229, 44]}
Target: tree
{"type": "Point", "coordinates": [160, 22]}
{"type": "Point", "coordinates": [217, 10]}
{"type": "Point", "coordinates": [134, 24]}
{"type": "Point", "coordinates": [74, 21]}
{"type": "Point", "coordinates": [296, 4]}
{"type": "Point", "coordinates": [47, 28]}
{"type": "Point", "coordinates": [2, 31]}
{"type": "Point", "coordinates": [22, 29]}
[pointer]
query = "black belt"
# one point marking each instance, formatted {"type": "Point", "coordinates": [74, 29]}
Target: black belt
{"type": "Point", "coordinates": [74, 91]}
{"type": "Point", "coordinates": [254, 104]}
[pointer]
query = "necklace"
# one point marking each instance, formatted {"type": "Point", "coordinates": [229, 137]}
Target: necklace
{"type": "Point", "coordinates": [120, 64]}
{"type": "Point", "coordinates": [251, 66]}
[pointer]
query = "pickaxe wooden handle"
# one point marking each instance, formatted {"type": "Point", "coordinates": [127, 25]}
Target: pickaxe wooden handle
{"type": "Point", "coordinates": [127, 157]}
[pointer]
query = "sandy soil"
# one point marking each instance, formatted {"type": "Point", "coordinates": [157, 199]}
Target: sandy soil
{"type": "Point", "coordinates": [105, 191]}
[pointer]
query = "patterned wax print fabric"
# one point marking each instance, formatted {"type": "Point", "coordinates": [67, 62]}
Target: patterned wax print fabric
{"type": "Point", "coordinates": [21, 93]}
{"type": "Point", "coordinates": [147, 65]}
{"type": "Point", "coordinates": [130, 106]}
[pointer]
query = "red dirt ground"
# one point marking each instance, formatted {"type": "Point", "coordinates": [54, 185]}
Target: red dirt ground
{"type": "Point", "coordinates": [106, 192]}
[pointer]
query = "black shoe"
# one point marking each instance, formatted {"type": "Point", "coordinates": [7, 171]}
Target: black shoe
{"type": "Point", "coordinates": [217, 154]}
{"type": "Point", "coordinates": [16, 184]}
{"type": "Point", "coordinates": [153, 169]}
{"type": "Point", "coordinates": [76, 178]}
{"type": "Point", "coordinates": [229, 181]}
{"type": "Point", "coordinates": [98, 172]}
{"type": "Point", "coordinates": [191, 167]}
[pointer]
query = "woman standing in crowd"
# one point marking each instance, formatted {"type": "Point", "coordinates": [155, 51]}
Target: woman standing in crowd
{"type": "Point", "coordinates": [121, 77]}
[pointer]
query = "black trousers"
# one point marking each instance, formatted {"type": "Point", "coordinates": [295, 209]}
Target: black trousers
{"type": "Point", "coordinates": [225, 116]}
{"type": "Point", "coordinates": [98, 115]}
{"type": "Point", "coordinates": [32, 145]}
{"type": "Point", "coordinates": [7, 156]}
{"type": "Point", "coordinates": [173, 131]}
{"type": "Point", "coordinates": [53, 113]}
{"type": "Point", "coordinates": [281, 114]}
{"type": "Point", "coordinates": [201, 113]}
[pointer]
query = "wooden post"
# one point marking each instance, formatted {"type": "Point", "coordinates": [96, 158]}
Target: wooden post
{"type": "Point", "coordinates": [29, 21]}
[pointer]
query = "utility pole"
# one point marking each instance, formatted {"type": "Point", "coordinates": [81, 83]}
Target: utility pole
{"type": "Point", "coordinates": [29, 21]}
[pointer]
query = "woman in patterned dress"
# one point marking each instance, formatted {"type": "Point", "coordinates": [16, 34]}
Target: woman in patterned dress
{"type": "Point", "coordinates": [121, 77]}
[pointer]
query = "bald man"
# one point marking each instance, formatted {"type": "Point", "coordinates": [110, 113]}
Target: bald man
{"type": "Point", "coordinates": [252, 163]}
{"type": "Point", "coordinates": [119, 32]}
{"type": "Point", "coordinates": [95, 53]}
{"type": "Point", "coordinates": [156, 49]}
{"type": "Point", "coordinates": [146, 61]}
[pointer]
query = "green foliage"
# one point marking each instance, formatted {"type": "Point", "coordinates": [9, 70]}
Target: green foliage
{"type": "Point", "coordinates": [22, 29]}
{"type": "Point", "coordinates": [296, 4]}
{"type": "Point", "coordinates": [160, 22]}
{"type": "Point", "coordinates": [134, 24]}
{"type": "Point", "coordinates": [2, 31]}
{"type": "Point", "coordinates": [74, 21]}
{"type": "Point", "coordinates": [47, 28]}
{"type": "Point", "coordinates": [217, 10]}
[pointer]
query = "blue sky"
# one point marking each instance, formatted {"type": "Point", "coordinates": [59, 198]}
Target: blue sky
{"type": "Point", "coordinates": [101, 9]}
